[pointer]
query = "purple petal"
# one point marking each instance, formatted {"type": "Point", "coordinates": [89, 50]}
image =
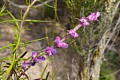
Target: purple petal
{"type": "Point", "coordinates": [76, 35]}
{"type": "Point", "coordinates": [33, 63]}
{"type": "Point", "coordinates": [50, 51]}
{"type": "Point", "coordinates": [57, 40]}
{"type": "Point", "coordinates": [84, 22]}
{"type": "Point", "coordinates": [54, 51]}
{"type": "Point", "coordinates": [39, 58]}
{"type": "Point", "coordinates": [97, 14]}
{"type": "Point", "coordinates": [93, 16]}
{"type": "Point", "coordinates": [26, 61]}
{"type": "Point", "coordinates": [25, 64]}
{"type": "Point", "coordinates": [65, 45]}
{"type": "Point", "coordinates": [48, 48]}
{"type": "Point", "coordinates": [58, 43]}
{"type": "Point", "coordinates": [42, 58]}
{"type": "Point", "coordinates": [34, 54]}
{"type": "Point", "coordinates": [73, 34]}
{"type": "Point", "coordinates": [50, 54]}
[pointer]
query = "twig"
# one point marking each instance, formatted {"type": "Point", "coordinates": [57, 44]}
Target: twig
{"type": "Point", "coordinates": [26, 12]}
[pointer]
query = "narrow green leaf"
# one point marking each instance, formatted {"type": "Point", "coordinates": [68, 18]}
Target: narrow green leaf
{"type": "Point", "coordinates": [27, 20]}
{"type": "Point", "coordinates": [54, 74]}
{"type": "Point", "coordinates": [15, 20]}
{"type": "Point", "coordinates": [47, 76]}
{"type": "Point", "coordinates": [43, 72]}
{"type": "Point", "coordinates": [7, 46]}
{"type": "Point", "coordinates": [10, 45]}
{"type": "Point", "coordinates": [3, 8]}
{"type": "Point", "coordinates": [12, 64]}
{"type": "Point", "coordinates": [46, 4]}
{"type": "Point", "coordinates": [5, 59]}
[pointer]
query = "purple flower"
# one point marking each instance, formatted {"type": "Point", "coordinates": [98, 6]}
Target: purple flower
{"type": "Point", "coordinates": [73, 33]}
{"type": "Point", "coordinates": [50, 51]}
{"type": "Point", "coordinates": [36, 58]}
{"type": "Point", "coordinates": [34, 54]}
{"type": "Point", "coordinates": [26, 64]}
{"type": "Point", "coordinates": [84, 22]}
{"type": "Point", "coordinates": [93, 16]}
{"type": "Point", "coordinates": [39, 58]}
{"type": "Point", "coordinates": [60, 43]}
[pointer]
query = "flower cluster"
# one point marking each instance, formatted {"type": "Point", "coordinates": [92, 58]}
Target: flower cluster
{"type": "Point", "coordinates": [60, 43]}
{"type": "Point", "coordinates": [34, 59]}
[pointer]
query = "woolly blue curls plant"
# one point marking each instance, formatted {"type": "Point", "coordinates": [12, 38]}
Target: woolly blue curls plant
{"type": "Point", "coordinates": [60, 43]}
